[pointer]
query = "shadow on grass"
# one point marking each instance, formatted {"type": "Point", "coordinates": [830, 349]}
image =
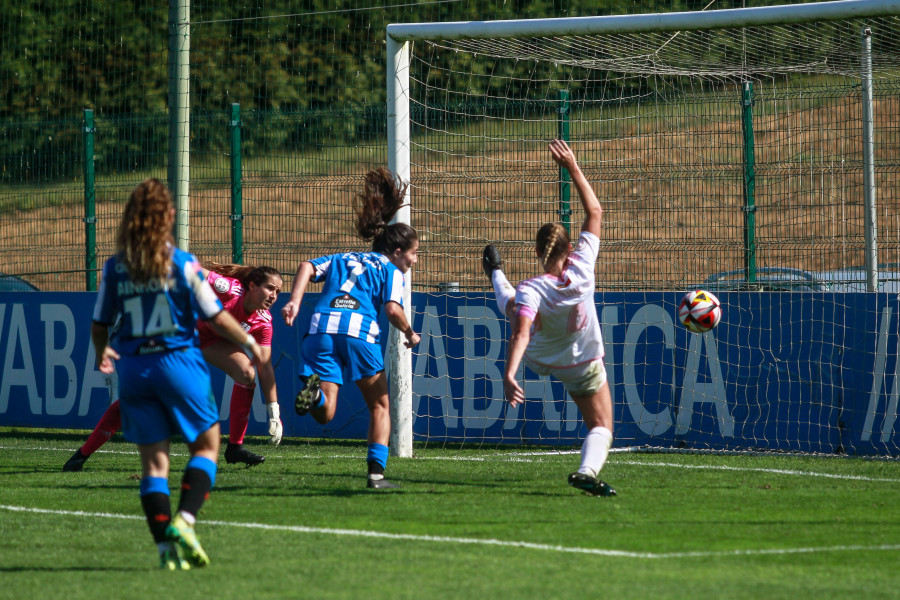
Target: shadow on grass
{"type": "Point", "coordinates": [78, 436]}
{"type": "Point", "coordinates": [85, 569]}
{"type": "Point", "coordinates": [75, 436]}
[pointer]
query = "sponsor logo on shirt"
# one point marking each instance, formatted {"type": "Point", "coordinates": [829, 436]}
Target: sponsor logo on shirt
{"type": "Point", "coordinates": [346, 302]}
{"type": "Point", "coordinates": [150, 347]}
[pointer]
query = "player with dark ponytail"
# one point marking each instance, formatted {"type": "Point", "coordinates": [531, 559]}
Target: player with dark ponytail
{"type": "Point", "coordinates": [343, 336]}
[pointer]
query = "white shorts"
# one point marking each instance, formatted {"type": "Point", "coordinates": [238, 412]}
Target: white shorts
{"type": "Point", "coordinates": [581, 380]}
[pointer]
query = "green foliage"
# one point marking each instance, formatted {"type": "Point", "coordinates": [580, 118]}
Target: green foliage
{"type": "Point", "coordinates": [111, 55]}
{"type": "Point", "coordinates": [321, 61]}
{"type": "Point", "coordinates": [491, 522]}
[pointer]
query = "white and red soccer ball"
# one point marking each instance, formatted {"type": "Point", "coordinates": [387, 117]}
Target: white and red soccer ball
{"type": "Point", "coordinates": [699, 311]}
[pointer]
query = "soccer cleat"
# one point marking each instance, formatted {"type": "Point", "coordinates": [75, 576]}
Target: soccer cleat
{"type": "Point", "coordinates": [170, 561]}
{"type": "Point", "coordinates": [380, 484]}
{"type": "Point", "coordinates": [183, 534]}
{"type": "Point", "coordinates": [490, 260]}
{"type": "Point", "coordinates": [309, 395]}
{"type": "Point", "coordinates": [590, 485]}
{"type": "Point", "coordinates": [236, 453]}
{"type": "Point", "coordinates": [76, 462]}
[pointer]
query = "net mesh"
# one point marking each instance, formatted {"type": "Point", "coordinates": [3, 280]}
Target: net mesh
{"type": "Point", "coordinates": [659, 123]}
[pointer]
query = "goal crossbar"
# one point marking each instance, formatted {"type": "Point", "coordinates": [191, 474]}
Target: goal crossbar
{"type": "Point", "coordinates": [676, 21]}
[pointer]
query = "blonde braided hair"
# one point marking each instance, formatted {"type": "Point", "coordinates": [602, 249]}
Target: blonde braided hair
{"type": "Point", "coordinates": [552, 242]}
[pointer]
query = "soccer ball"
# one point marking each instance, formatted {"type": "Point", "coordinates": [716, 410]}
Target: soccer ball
{"type": "Point", "coordinates": [699, 311]}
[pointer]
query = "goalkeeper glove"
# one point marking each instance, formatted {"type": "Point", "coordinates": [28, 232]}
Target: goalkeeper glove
{"type": "Point", "coordinates": [276, 429]}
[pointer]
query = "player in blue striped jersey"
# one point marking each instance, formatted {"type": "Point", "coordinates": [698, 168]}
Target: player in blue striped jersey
{"type": "Point", "coordinates": [160, 292]}
{"type": "Point", "coordinates": [343, 336]}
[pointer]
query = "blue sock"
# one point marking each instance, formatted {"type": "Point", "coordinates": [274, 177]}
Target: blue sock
{"type": "Point", "coordinates": [205, 465]}
{"type": "Point", "coordinates": [198, 479]}
{"type": "Point", "coordinates": [154, 485]}
{"type": "Point", "coordinates": [157, 506]}
{"type": "Point", "coordinates": [377, 458]}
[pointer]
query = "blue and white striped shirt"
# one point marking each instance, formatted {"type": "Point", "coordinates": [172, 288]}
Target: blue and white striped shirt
{"type": "Point", "coordinates": [357, 284]}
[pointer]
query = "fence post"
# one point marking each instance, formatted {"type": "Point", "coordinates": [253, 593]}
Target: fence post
{"type": "Point", "coordinates": [749, 183]}
{"type": "Point", "coordinates": [90, 214]}
{"type": "Point", "coordinates": [871, 215]}
{"type": "Point", "coordinates": [565, 180]}
{"type": "Point", "coordinates": [179, 170]}
{"type": "Point", "coordinates": [237, 208]}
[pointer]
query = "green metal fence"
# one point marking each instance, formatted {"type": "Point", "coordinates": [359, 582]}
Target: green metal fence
{"type": "Point", "coordinates": [287, 110]}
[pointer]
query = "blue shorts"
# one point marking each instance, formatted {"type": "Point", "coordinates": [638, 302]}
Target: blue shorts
{"type": "Point", "coordinates": [328, 355]}
{"type": "Point", "coordinates": [165, 394]}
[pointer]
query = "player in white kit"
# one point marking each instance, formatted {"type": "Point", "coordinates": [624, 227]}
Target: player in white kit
{"type": "Point", "coordinates": [555, 329]}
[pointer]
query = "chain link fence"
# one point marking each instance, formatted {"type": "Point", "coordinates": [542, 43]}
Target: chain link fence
{"type": "Point", "coordinates": [310, 84]}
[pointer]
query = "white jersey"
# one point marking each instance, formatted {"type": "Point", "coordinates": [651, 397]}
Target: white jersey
{"type": "Point", "coordinates": [566, 331]}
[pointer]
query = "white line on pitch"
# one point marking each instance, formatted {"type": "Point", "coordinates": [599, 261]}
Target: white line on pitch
{"type": "Point", "coordinates": [516, 457]}
{"type": "Point", "coordinates": [477, 541]}
{"type": "Point", "coordinates": [760, 470]}
{"type": "Point", "coordinates": [500, 456]}
{"type": "Point", "coordinates": [537, 455]}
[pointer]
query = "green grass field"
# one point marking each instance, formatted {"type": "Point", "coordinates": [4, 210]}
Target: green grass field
{"type": "Point", "coordinates": [468, 523]}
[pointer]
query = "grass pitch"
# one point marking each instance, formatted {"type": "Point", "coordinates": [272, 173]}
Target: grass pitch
{"type": "Point", "coordinates": [468, 523]}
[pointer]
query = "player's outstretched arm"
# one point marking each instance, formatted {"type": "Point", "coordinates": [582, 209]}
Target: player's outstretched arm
{"type": "Point", "coordinates": [302, 278]}
{"type": "Point", "coordinates": [564, 157]}
{"type": "Point", "coordinates": [518, 343]}
{"type": "Point", "coordinates": [397, 318]}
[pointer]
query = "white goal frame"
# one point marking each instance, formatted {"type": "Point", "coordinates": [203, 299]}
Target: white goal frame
{"type": "Point", "coordinates": [399, 37]}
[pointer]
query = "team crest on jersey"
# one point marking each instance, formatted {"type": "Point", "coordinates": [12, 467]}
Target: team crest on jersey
{"type": "Point", "coordinates": [245, 327]}
{"type": "Point", "coordinates": [222, 285]}
{"type": "Point", "coordinates": [346, 302]}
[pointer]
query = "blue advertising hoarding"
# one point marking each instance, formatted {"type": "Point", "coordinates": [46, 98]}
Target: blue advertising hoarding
{"type": "Point", "coordinates": [810, 371]}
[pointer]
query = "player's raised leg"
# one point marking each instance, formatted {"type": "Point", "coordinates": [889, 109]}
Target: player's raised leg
{"type": "Point", "coordinates": [310, 396]}
{"type": "Point", "coordinates": [504, 291]}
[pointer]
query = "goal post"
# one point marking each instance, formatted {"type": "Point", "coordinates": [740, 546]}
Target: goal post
{"type": "Point", "coordinates": [657, 124]}
{"type": "Point", "coordinates": [399, 356]}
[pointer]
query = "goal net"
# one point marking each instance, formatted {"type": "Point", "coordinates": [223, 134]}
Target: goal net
{"type": "Point", "coordinates": [750, 152]}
